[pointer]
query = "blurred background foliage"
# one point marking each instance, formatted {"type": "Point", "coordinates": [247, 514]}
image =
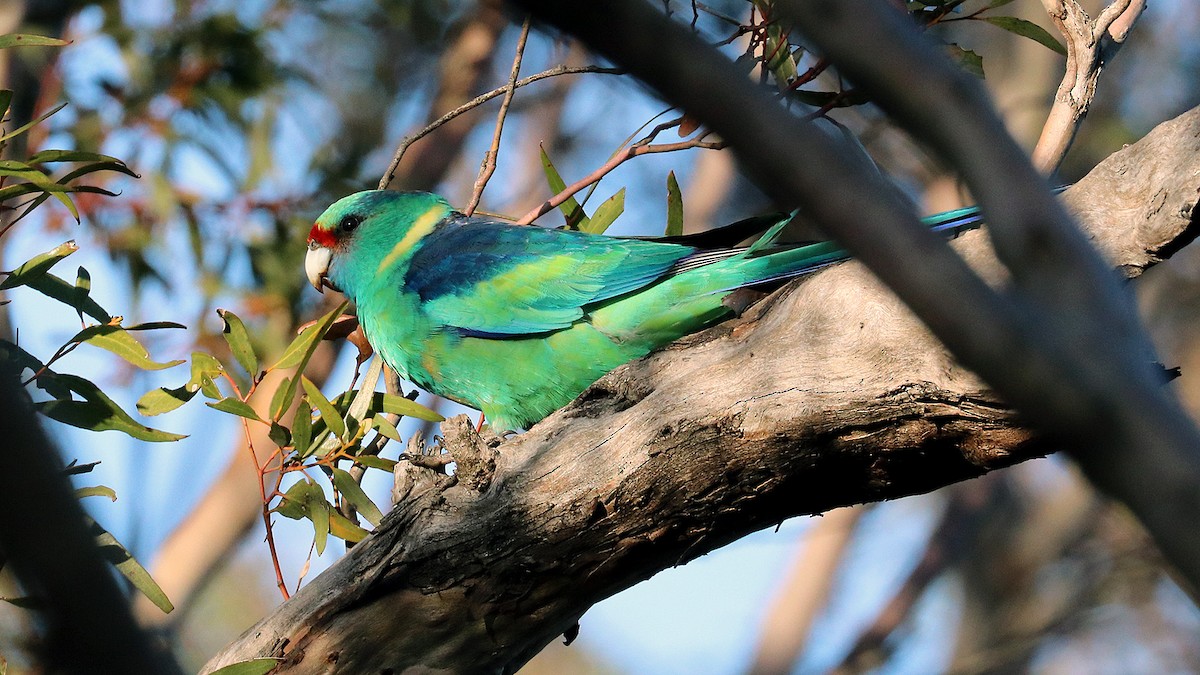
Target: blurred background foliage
{"type": "Point", "coordinates": [245, 118]}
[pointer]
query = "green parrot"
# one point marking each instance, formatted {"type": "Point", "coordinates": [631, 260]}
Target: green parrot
{"type": "Point", "coordinates": [517, 321]}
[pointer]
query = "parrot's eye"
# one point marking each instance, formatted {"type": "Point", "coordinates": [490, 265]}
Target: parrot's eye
{"type": "Point", "coordinates": [349, 223]}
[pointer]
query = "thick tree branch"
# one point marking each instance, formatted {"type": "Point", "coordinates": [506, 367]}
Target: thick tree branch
{"type": "Point", "coordinates": [829, 393]}
{"type": "Point", "coordinates": [1061, 342]}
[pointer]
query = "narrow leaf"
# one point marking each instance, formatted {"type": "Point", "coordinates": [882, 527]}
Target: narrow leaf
{"type": "Point", "coordinates": [571, 210]}
{"type": "Point", "coordinates": [96, 491]}
{"type": "Point", "coordinates": [385, 427]}
{"type": "Point", "coordinates": [161, 400]}
{"type": "Point", "coordinates": [38, 265]}
{"type": "Point", "coordinates": [235, 406]}
{"type": "Point", "coordinates": [238, 337]}
{"type": "Point", "coordinates": [353, 493]}
{"type": "Point", "coordinates": [1027, 29]}
{"type": "Point", "coordinates": [130, 568]}
{"type": "Point", "coordinates": [606, 213]}
{"type": "Point", "coordinates": [48, 156]}
{"type": "Point", "coordinates": [301, 349]}
{"type": "Point", "coordinates": [251, 667]}
{"type": "Point", "coordinates": [27, 40]}
{"type": "Point", "coordinates": [318, 513]}
{"type": "Point", "coordinates": [59, 289]}
{"type": "Point", "coordinates": [283, 396]}
{"type": "Point", "coordinates": [674, 207]}
{"type": "Point", "coordinates": [26, 127]}
{"type": "Point", "coordinates": [98, 412]}
{"type": "Point", "coordinates": [376, 462]}
{"type": "Point", "coordinates": [333, 419]}
{"type": "Point", "coordinates": [83, 288]}
{"type": "Point", "coordinates": [341, 527]}
{"type": "Point", "coordinates": [117, 340]}
{"type": "Point", "coordinates": [302, 430]}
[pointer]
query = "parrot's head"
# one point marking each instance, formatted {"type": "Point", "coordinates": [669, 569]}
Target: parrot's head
{"type": "Point", "coordinates": [361, 236]}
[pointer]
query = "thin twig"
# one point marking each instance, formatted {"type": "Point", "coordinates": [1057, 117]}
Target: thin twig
{"type": "Point", "coordinates": [488, 168]}
{"type": "Point", "coordinates": [613, 162]}
{"type": "Point", "coordinates": [390, 174]}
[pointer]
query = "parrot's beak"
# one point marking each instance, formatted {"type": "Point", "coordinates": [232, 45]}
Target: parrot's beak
{"type": "Point", "coordinates": [316, 266]}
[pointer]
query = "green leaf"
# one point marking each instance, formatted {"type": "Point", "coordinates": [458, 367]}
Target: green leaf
{"type": "Point", "coordinates": [967, 59]}
{"type": "Point", "coordinates": [341, 527]}
{"type": "Point", "coordinates": [26, 40]}
{"type": "Point", "coordinates": [1027, 29]}
{"type": "Point", "coordinates": [97, 412]}
{"type": "Point", "coordinates": [43, 182]}
{"type": "Point", "coordinates": [293, 503]}
{"type": "Point", "coordinates": [251, 667]}
{"type": "Point", "coordinates": [302, 430]}
{"type": "Point", "coordinates": [333, 419]}
{"type": "Point", "coordinates": [115, 165]}
{"type": "Point", "coordinates": [96, 491]}
{"type": "Point", "coordinates": [385, 427]}
{"type": "Point", "coordinates": [238, 337]}
{"type": "Point", "coordinates": [128, 566]}
{"type": "Point", "coordinates": [318, 513]}
{"type": "Point", "coordinates": [300, 350]}
{"type": "Point", "coordinates": [353, 493]}
{"type": "Point", "coordinates": [571, 210]}
{"type": "Point", "coordinates": [83, 288]}
{"type": "Point", "coordinates": [161, 400]}
{"type": "Point", "coordinates": [48, 156]}
{"type": "Point", "coordinates": [674, 207]}
{"type": "Point", "coordinates": [235, 406]}
{"type": "Point", "coordinates": [155, 325]}
{"type": "Point", "coordinates": [376, 462]}
{"type": "Point", "coordinates": [606, 213]}
{"type": "Point", "coordinates": [5, 100]}
{"type": "Point", "coordinates": [58, 289]}
{"type": "Point", "coordinates": [26, 127]}
{"type": "Point", "coordinates": [390, 403]}
{"type": "Point", "coordinates": [282, 397]}
{"type": "Point", "coordinates": [117, 340]}
{"type": "Point", "coordinates": [279, 435]}
{"type": "Point", "coordinates": [205, 370]}
{"type": "Point", "coordinates": [38, 265]}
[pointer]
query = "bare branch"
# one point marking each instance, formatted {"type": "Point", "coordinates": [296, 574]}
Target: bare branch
{"type": "Point", "coordinates": [407, 141]}
{"type": "Point", "coordinates": [489, 161]}
{"type": "Point", "coordinates": [613, 162]}
{"type": "Point", "coordinates": [1091, 45]}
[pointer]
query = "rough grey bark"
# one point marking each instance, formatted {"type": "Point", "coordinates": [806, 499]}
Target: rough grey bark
{"type": "Point", "coordinates": [828, 393]}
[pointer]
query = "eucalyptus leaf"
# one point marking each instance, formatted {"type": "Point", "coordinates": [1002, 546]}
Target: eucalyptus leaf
{"type": "Point", "coordinates": [38, 265]}
{"type": "Point", "coordinates": [238, 338]}
{"type": "Point", "coordinates": [130, 568]}
{"type": "Point", "coordinates": [235, 406]}
{"type": "Point", "coordinates": [117, 340]}
{"type": "Point", "coordinates": [606, 213]}
{"type": "Point", "coordinates": [353, 493]}
{"type": "Point", "coordinates": [98, 412]}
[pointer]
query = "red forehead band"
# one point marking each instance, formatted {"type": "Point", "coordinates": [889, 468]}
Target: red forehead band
{"type": "Point", "coordinates": [322, 236]}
